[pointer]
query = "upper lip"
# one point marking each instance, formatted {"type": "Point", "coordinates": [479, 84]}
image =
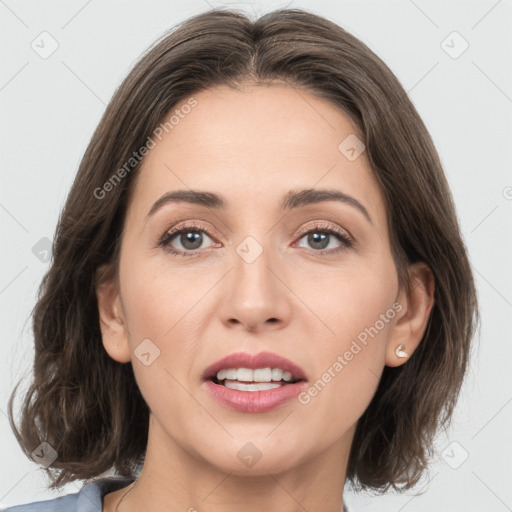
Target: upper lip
{"type": "Point", "coordinates": [261, 360]}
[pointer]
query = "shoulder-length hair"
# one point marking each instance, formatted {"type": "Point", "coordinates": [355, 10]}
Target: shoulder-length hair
{"type": "Point", "coordinates": [87, 406]}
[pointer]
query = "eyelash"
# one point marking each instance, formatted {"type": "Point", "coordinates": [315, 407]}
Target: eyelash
{"type": "Point", "coordinates": [342, 236]}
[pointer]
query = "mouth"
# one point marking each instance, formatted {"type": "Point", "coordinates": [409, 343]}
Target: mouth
{"type": "Point", "coordinates": [263, 368]}
{"type": "Point", "coordinates": [254, 383]}
{"type": "Point", "coordinates": [260, 379]}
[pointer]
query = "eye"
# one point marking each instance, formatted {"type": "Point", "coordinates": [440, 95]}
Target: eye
{"type": "Point", "coordinates": [188, 239]}
{"type": "Point", "coordinates": [322, 236]}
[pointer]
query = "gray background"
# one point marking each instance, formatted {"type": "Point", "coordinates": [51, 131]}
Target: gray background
{"type": "Point", "coordinates": [50, 107]}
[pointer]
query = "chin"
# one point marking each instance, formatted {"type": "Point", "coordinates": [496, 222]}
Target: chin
{"type": "Point", "coordinates": [256, 456]}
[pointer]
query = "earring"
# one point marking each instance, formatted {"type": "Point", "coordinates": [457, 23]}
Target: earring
{"type": "Point", "coordinates": [399, 351]}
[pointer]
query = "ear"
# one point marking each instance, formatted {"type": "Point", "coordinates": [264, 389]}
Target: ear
{"type": "Point", "coordinates": [411, 321]}
{"type": "Point", "coordinates": [114, 333]}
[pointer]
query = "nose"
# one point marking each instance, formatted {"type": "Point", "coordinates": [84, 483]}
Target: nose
{"type": "Point", "coordinates": [255, 296]}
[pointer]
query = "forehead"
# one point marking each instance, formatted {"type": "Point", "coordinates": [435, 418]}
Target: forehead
{"type": "Point", "coordinates": [252, 146]}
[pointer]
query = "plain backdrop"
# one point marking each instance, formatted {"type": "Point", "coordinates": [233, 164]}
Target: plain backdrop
{"type": "Point", "coordinates": [461, 84]}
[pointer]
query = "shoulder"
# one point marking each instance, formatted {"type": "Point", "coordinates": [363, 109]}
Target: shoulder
{"type": "Point", "coordinates": [67, 503]}
{"type": "Point", "coordinates": [88, 499]}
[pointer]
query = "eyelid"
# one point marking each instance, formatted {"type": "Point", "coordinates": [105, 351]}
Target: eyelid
{"type": "Point", "coordinates": [181, 226]}
{"type": "Point", "coordinates": [191, 224]}
{"type": "Point", "coordinates": [321, 224]}
{"type": "Point", "coordinates": [188, 223]}
{"type": "Point", "coordinates": [194, 225]}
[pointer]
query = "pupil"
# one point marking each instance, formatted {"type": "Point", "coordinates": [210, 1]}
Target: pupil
{"type": "Point", "coordinates": [318, 238]}
{"type": "Point", "coordinates": [193, 237]}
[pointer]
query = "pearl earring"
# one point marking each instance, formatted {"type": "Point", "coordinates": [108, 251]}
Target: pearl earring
{"type": "Point", "coordinates": [399, 351]}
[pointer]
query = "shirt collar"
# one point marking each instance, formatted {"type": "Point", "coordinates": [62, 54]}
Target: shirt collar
{"type": "Point", "coordinates": [90, 497]}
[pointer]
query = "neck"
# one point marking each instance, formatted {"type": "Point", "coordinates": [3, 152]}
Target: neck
{"type": "Point", "coordinates": [177, 478]}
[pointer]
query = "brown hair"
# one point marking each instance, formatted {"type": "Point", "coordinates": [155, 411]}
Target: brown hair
{"type": "Point", "coordinates": [88, 407]}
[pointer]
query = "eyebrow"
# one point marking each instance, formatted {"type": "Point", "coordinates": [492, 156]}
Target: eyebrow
{"type": "Point", "coordinates": [293, 199]}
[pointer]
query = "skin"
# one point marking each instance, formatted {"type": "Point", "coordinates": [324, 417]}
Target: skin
{"type": "Point", "coordinates": [253, 146]}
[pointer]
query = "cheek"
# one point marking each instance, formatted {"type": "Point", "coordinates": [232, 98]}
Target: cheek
{"type": "Point", "coordinates": [160, 305]}
{"type": "Point", "coordinates": [156, 296]}
{"type": "Point", "coordinates": [351, 300]}
{"type": "Point", "coordinates": [359, 308]}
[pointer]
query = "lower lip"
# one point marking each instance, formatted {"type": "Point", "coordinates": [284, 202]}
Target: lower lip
{"type": "Point", "coordinates": [254, 401]}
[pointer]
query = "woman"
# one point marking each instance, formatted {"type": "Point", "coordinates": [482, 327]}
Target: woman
{"type": "Point", "coordinates": [259, 289]}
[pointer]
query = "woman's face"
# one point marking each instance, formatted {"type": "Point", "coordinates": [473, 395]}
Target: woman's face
{"type": "Point", "coordinates": [252, 276]}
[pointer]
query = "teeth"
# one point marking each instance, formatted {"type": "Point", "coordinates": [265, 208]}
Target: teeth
{"type": "Point", "coordinates": [257, 375]}
{"type": "Point", "coordinates": [244, 374]}
{"type": "Point", "coordinates": [262, 375]}
{"type": "Point", "coordinates": [277, 374]}
{"type": "Point", "coordinates": [230, 374]}
{"type": "Point", "coordinates": [264, 386]}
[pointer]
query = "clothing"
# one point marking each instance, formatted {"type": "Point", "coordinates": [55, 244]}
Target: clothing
{"type": "Point", "coordinates": [89, 499]}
